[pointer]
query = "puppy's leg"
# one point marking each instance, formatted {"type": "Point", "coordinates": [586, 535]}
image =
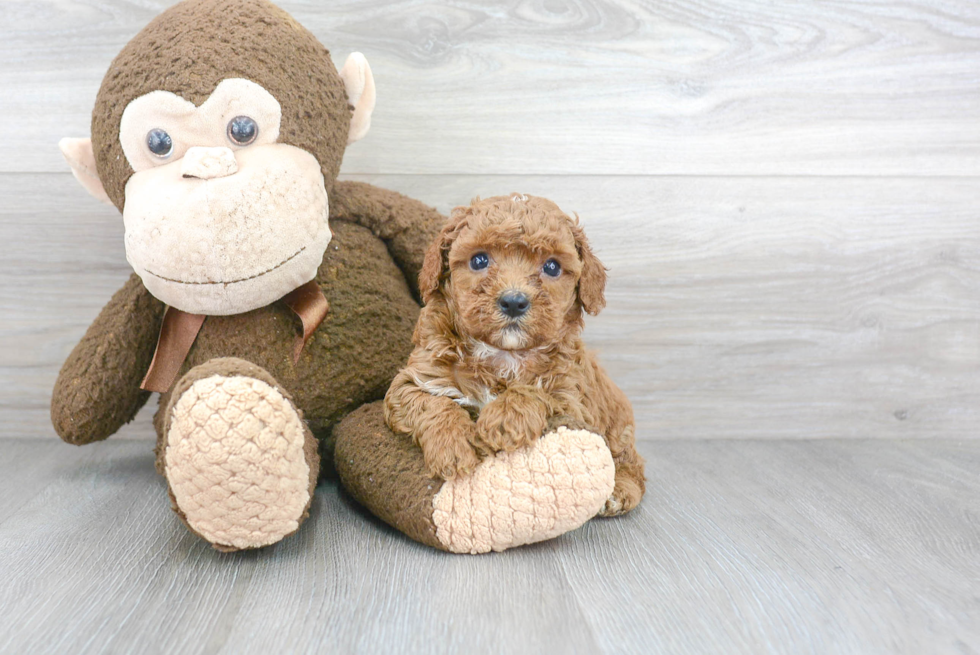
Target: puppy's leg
{"type": "Point", "coordinates": [446, 436]}
{"type": "Point", "coordinates": [440, 427]}
{"type": "Point", "coordinates": [630, 481]}
{"type": "Point", "coordinates": [614, 415]}
{"type": "Point", "coordinates": [515, 419]}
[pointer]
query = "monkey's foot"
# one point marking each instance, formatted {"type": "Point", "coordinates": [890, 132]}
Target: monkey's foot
{"type": "Point", "coordinates": [536, 493]}
{"type": "Point", "coordinates": [238, 461]}
{"type": "Point", "coordinates": [532, 494]}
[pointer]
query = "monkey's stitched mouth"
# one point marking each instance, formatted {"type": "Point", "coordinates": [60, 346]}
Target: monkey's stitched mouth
{"type": "Point", "coordinates": [244, 279]}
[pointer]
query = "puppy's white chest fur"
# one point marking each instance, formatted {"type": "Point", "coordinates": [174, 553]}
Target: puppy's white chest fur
{"type": "Point", "coordinates": [507, 363]}
{"type": "Point", "coordinates": [437, 389]}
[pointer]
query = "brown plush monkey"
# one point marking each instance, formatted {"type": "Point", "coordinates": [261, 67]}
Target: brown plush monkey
{"type": "Point", "coordinates": [218, 132]}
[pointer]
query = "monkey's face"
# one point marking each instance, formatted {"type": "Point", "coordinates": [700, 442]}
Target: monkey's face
{"type": "Point", "coordinates": [219, 217]}
{"type": "Point", "coordinates": [218, 132]}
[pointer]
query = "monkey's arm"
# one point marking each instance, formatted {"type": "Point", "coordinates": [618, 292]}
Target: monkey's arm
{"type": "Point", "coordinates": [406, 225]}
{"type": "Point", "coordinates": [98, 389]}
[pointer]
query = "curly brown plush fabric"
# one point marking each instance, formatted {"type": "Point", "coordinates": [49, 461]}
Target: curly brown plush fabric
{"type": "Point", "coordinates": [239, 432]}
{"type": "Point", "coordinates": [355, 352]}
{"type": "Point", "coordinates": [230, 367]}
{"type": "Point", "coordinates": [367, 274]}
{"type": "Point", "coordinates": [407, 228]}
{"type": "Point", "coordinates": [98, 389]}
{"type": "Point", "coordinates": [191, 47]}
{"type": "Point", "coordinates": [350, 359]}
{"type": "Point", "coordinates": [516, 498]}
{"type": "Point", "coordinates": [384, 472]}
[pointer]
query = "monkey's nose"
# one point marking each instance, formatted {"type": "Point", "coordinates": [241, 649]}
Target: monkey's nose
{"type": "Point", "coordinates": [208, 163]}
{"type": "Point", "coordinates": [514, 304]}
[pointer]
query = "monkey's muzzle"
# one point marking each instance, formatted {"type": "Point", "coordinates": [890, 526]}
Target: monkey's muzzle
{"type": "Point", "coordinates": [208, 163]}
{"type": "Point", "coordinates": [224, 232]}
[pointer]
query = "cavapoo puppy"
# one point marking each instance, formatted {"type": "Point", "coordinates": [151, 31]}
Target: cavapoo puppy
{"type": "Point", "coordinates": [498, 351]}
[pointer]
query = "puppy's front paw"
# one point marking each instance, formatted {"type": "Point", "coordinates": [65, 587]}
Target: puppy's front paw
{"type": "Point", "coordinates": [514, 420]}
{"type": "Point", "coordinates": [451, 453]}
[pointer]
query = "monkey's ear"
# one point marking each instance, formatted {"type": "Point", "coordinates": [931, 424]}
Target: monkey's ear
{"type": "Point", "coordinates": [592, 282]}
{"type": "Point", "coordinates": [359, 83]}
{"type": "Point", "coordinates": [78, 153]}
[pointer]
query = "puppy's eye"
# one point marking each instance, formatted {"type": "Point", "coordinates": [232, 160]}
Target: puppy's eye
{"type": "Point", "coordinates": [159, 142]}
{"type": "Point", "coordinates": [479, 261]}
{"type": "Point", "coordinates": [242, 130]}
{"type": "Point", "coordinates": [552, 268]}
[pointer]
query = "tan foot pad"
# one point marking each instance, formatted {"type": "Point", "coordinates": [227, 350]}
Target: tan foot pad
{"type": "Point", "coordinates": [526, 496]}
{"type": "Point", "coordinates": [235, 462]}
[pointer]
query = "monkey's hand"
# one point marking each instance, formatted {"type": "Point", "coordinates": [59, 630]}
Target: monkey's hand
{"type": "Point", "coordinates": [98, 389]}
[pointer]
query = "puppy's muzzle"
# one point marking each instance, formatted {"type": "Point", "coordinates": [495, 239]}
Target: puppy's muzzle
{"type": "Point", "coordinates": [514, 303]}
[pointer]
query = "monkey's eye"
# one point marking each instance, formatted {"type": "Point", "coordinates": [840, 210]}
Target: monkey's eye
{"type": "Point", "coordinates": [159, 142]}
{"type": "Point", "coordinates": [552, 268]}
{"type": "Point", "coordinates": [479, 261]}
{"type": "Point", "coordinates": [242, 130]}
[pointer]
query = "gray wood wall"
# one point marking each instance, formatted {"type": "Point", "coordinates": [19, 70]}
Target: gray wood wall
{"type": "Point", "coordinates": [787, 194]}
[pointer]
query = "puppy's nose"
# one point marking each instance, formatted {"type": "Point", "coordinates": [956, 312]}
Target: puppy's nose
{"type": "Point", "coordinates": [514, 304]}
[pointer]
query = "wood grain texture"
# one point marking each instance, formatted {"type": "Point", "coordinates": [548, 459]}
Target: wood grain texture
{"type": "Point", "coordinates": [579, 86]}
{"type": "Point", "coordinates": [737, 307]}
{"type": "Point", "coordinates": [754, 307]}
{"type": "Point", "coordinates": [739, 547]}
{"type": "Point", "coordinates": [786, 195]}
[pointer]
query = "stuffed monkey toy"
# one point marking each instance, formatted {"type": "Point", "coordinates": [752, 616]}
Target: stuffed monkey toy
{"type": "Point", "coordinates": [270, 301]}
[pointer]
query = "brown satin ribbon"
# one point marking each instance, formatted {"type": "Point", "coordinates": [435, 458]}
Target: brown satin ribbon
{"type": "Point", "coordinates": [177, 335]}
{"type": "Point", "coordinates": [309, 303]}
{"type": "Point", "coordinates": [180, 329]}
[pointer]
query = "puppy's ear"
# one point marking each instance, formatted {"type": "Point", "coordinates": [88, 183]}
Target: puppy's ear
{"type": "Point", "coordinates": [431, 270]}
{"type": "Point", "coordinates": [436, 257]}
{"type": "Point", "coordinates": [592, 282]}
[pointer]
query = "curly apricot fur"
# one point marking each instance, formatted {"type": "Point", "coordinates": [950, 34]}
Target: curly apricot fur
{"type": "Point", "coordinates": [480, 381]}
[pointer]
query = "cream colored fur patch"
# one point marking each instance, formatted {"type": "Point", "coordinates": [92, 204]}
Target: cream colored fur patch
{"type": "Point", "coordinates": [530, 495]}
{"type": "Point", "coordinates": [235, 461]}
{"type": "Point", "coordinates": [229, 244]}
{"type": "Point", "coordinates": [189, 125]}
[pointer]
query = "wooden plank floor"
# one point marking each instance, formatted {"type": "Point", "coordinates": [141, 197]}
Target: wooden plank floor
{"type": "Point", "coordinates": [829, 546]}
{"type": "Point", "coordinates": [787, 197]}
